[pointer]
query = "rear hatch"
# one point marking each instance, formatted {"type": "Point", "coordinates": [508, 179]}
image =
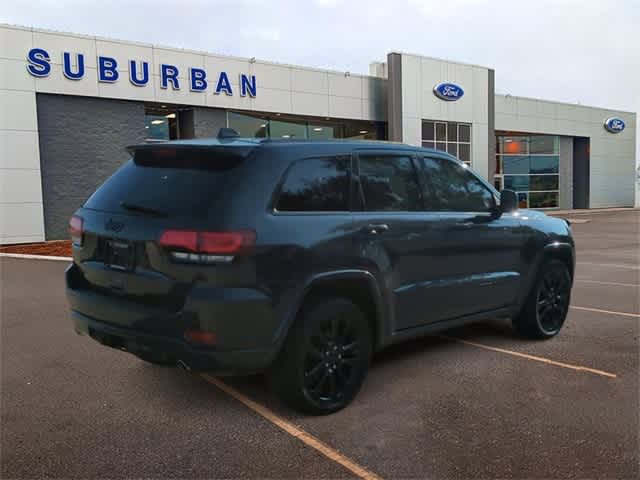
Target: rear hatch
{"type": "Point", "coordinates": [158, 224]}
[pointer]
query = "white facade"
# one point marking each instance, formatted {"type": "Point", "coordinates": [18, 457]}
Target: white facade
{"type": "Point", "coordinates": [284, 89]}
{"type": "Point", "coordinates": [21, 215]}
{"type": "Point", "coordinates": [612, 156]}
{"type": "Point", "coordinates": [419, 75]}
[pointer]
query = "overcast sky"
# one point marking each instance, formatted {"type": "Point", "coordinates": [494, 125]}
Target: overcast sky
{"type": "Point", "coordinates": [582, 51]}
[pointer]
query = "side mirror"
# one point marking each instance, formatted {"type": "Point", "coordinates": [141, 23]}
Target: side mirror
{"type": "Point", "coordinates": [508, 201]}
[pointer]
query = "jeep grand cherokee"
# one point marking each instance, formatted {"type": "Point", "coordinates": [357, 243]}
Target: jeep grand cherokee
{"type": "Point", "coordinates": [303, 258]}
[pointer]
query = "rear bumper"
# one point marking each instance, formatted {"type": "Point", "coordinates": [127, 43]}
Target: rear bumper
{"type": "Point", "coordinates": [238, 362]}
{"type": "Point", "coordinates": [241, 320]}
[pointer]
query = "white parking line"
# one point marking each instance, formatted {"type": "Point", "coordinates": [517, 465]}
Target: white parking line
{"type": "Point", "coordinates": [610, 312]}
{"type": "Point", "coordinates": [611, 265]}
{"type": "Point", "coordinates": [616, 284]}
{"type": "Point", "coordinates": [631, 257]}
{"type": "Point", "coordinates": [293, 430]}
{"type": "Point", "coordinates": [533, 357]}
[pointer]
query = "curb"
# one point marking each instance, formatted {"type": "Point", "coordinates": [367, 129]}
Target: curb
{"type": "Point", "coordinates": [595, 211]}
{"type": "Point", "coordinates": [578, 221]}
{"type": "Point", "coordinates": [35, 257]}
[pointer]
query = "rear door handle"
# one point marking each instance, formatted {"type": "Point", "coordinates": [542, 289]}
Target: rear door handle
{"type": "Point", "coordinates": [374, 228]}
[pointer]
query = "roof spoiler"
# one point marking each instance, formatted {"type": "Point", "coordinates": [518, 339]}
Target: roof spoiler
{"type": "Point", "coordinates": [186, 151]}
{"type": "Point", "coordinates": [223, 134]}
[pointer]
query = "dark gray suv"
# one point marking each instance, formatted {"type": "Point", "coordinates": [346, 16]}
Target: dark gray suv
{"type": "Point", "coordinates": [303, 258]}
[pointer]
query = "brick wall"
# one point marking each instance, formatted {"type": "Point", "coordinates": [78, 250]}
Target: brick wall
{"type": "Point", "coordinates": [82, 141]}
{"type": "Point", "coordinates": [208, 121]}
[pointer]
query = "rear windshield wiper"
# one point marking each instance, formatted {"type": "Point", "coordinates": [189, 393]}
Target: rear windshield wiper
{"type": "Point", "coordinates": [142, 209]}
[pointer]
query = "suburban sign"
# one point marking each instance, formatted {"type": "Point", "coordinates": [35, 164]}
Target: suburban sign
{"type": "Point", "coordinates": [448, 91]}
{"type": "Point", "coordinates": [614, 124]}
{"type": "Point", "coordinates": [108, 71]}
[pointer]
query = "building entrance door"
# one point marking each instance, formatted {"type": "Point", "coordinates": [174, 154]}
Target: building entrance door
{"type": "Point", "coordinates": [581, 172]}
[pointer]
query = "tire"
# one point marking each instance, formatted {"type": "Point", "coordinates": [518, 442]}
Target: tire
{"type": "Point", "coordinates": [325, 357]}
{"type": "Point", "coordinates": [547, 305]}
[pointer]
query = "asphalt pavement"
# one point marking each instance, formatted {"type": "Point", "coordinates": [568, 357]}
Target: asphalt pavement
{"type": "Point", "coordinates": [476, 402]}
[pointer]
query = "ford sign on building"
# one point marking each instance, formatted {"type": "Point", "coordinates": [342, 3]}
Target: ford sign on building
{"type": "Point", "coordinates": [70, 104]}
{"type": "Point", "coordinates": [614, 125]}
{"type": "Point", "coordinates": [448, 92]}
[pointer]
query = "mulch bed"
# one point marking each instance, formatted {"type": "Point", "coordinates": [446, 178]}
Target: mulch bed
{"type": "Point", "coordinates": [56, 248]}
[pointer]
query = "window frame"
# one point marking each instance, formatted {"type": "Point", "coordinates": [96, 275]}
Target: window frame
{"type": "Point", "coordinates": [527, 139]}
{"type": "Point", "coordinates": [356, 186]}
{"type": "Point", "coordinates": [428, 189]}
{"type": "Point", "coordinates": [277, 191]}
{"type": "Point", "coordinates": [444, 145]}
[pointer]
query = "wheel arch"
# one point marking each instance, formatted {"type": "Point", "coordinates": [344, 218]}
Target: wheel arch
{"type": "Point", "coordinates": [358, 286]}
{"type": "Point", "coordinates": [526, 319]}
{"type": "Point", "coordinates": [561, 251]}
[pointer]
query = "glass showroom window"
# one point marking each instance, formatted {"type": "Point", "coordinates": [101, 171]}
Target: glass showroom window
{"type": "Point", "coordinates": [451, 137]}
{"type": "Point", "coordinates": [275, 125]}
{"type": "Point", "coordinates": [157, 127]}
{"type": "Point", "coordinates": [160, 123]}
{"type": "Point", "coordinates": [530, 166]}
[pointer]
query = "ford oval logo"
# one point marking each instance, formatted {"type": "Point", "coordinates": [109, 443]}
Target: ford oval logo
{"type": "Point", "coordinates": [614, 124]}
{"type": "Point", "coordinates": [448, 91]}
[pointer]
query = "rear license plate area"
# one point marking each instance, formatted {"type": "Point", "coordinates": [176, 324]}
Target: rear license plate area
{"type": "Point", "coordinates": [120, 255]}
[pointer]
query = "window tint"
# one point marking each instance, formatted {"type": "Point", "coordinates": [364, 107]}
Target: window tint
{"type": "Point", "coordinates": [452, 187]}
{"type": "Point", "coordinates": [316, 185]}
{"type": "Point", "coordinates": [389, 183]}
{"type": "Point", "coordinates": [173, 182]}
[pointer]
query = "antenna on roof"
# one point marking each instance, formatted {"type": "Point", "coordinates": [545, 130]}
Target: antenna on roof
{"type": "Point", "coordinates": [227, 133]}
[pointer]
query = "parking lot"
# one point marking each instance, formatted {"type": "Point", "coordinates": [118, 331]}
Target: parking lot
{"type": "Point", "coordinates": [477, 402]}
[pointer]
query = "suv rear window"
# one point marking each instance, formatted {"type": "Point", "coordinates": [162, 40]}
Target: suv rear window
{"type": "Point", "coordinates": [169, 182]}
{"type": "Point", "coordinates": [316, 185]}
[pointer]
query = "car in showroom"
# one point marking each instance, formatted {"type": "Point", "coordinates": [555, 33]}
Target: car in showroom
{"type": "Point", "coordinates": [302, 258]}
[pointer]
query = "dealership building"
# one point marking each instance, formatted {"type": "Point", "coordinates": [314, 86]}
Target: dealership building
{"type": "Point", "coordinates": [69, 104]}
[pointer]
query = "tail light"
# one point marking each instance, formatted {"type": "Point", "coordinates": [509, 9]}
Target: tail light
{"type": "Point", "coordinates": [199, 336]}
{"type": "Point", "coordinates": [206, 247]}
{"type": "Point", "coordinates": [75, 230]}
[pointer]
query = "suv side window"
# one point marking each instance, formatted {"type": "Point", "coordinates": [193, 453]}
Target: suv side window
{"type": "Point", "coordinates": [388, 183]}
{"type": "Point", "coordinates": [452, 187]}
{"type": "Point", "coordinates": [316, 185]}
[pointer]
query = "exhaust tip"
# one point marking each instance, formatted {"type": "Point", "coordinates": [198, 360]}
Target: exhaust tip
{"type": "Point", "coordinates": [182, 365]}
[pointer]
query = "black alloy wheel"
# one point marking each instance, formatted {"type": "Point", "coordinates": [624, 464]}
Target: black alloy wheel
{"type": "Point", "coordinates": [325, 357]}
{"type": "Point", "coordinates": [546, 307]}
{"type": "Point", "coordinates": [552, 302]}
{"type": "Point", "coordinates": [332, 359]}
